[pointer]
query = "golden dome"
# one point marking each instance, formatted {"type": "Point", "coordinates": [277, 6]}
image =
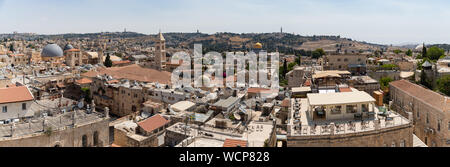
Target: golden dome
{"type": "Point", "coordinates": [258, 46]}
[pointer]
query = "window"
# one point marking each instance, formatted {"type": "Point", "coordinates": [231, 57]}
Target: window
{"type": "Point", "coordinates": [418, 114]}
{"type": "Point", "coordinates": [439, 125]}
{"type": "Point", "coordinates": [449, 126]}
{"type": "Point", "coordinates": [338, 59]}
{"type": "Point", "coordinates": [393, 144]}
{"type": "Point", "coordinates": [336, 110]}
{"type": "Point", "coordinates": [365, 108]}
{"type": "Point", "coordinates": [345, 59]}
{"type": "Point", "coordinates": [428, 118]}
{"type": "Point", "coordinates": [96, 143]}
{"type": "Point", "coordinates": [24, 106]}
{"type": "Point", "coordinates": [402, 143]}
{"type": "Point", "coordinates": [352, 109]}
{"type": "Point", "coordinates": [5, 109]}
{"type": "Point", "coordinates": [84, 141]}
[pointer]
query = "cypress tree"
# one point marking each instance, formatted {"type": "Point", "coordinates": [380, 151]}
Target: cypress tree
{"type": "Point", "coordinates": [108, 62]}
{"type": "Point", "coordinates": [424, 51]}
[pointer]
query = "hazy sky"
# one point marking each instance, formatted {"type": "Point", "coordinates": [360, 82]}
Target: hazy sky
{"type": "Point", "coordinates": [378, 21]}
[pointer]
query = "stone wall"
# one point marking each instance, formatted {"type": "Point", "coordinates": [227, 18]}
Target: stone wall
{"type": "Point", "coordinates": [68, 137]}
{"type": "Point", "coordinates": [385, 137]}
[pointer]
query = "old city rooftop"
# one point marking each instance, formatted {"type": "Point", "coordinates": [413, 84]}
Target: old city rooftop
{"type": "Point", "coordinates": [153, 123]}
{"type": "Point", "coordinates": [339, 98]}
{"type": "Point", "coordinates": [15, 94]}
{"type": "Point", "coordinates": [133, 72]}
{"type": "Point", "coordinates": [432, 98]}
{"type": "Point", "coordinates": [234, 143]}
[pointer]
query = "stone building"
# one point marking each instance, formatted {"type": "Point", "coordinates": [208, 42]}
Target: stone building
{"type": "Point", "coordinates": [15, 103]}
{"type": "Point", "coordinates": [296, 77]}
{"type": "Point", "coordinates": [354, 63]}
{"type": "Point", "coordinates": [364, 83]}
{"type": "Point", "coordinates": [428, 110]}
{"type": "Point", "coordinates": [125, 89]}
{"type": "Point", "coordinates": [58, 123]}
{"type": "Point", "coordinates": [147, 133]}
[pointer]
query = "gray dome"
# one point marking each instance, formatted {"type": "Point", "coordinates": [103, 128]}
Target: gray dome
{"type": "Point", "coordinates": [52, 50]}
{"type": "Point", "coordinates": [68, 47]}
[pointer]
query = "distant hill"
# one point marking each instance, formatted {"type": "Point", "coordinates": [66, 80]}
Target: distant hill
{"type": "Point", "coordinates": [442, 46]}
{"type": "Point", "coordinates": [285, 43]}
{"type": "Point", "coordinates": [222, 42]}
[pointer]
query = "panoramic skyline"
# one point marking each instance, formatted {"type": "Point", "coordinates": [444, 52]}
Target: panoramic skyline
{"type": "Point", "coordinates": [383, 21]}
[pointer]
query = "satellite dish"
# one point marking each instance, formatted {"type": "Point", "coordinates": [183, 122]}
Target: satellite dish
{"type": "Point", "coordinates": [237, 116]}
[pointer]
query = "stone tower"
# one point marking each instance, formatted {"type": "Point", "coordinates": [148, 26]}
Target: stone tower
{"type": "Point", "coordinates": [160, 53]}
{"type": "Point", "coordinates": [80, 56]}
{"type": "Point", "coordinates": [100, 54]}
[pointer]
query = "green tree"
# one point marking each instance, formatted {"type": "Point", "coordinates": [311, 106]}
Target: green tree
{"type": "Point", "coordinates": [409, 52]}
{"type": "Point", "coordinates": [11, 48]}
{"type": "Point", "coordinates": [87, 95]}
{"type": "Point", "coordinates": [443, 85]}
{"type": "Point", "coordinates": [108, 62]}
{"type": "Point", "coordinates": [397, 51]}
{"type": "Point", "coordinates": [435, 53]}
{"type": "Point", "coordinates": [291, 66]}
{"type": "Point", "coordinates": [424, 80]}
{"type": "Point", "coordinates": [424, 50]}
{"type": "Point", "coordinates": [389, 66]}
{"type": "Point", "coordinates": [318, 53]}
{"type": "Point", "coordinates": [384, 82]}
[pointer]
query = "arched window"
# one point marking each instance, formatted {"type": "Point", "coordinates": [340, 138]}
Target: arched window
{"type": "Point", "coordinates": [84, 141]}
{"type": "Point", "coordinates": [96, 139]}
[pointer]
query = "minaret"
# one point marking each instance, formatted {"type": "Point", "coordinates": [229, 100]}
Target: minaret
{"type": "Point", "coordinates": [160, 54]}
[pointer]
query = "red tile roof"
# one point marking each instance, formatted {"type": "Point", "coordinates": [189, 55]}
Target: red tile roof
{"type": "Point", "coordinates": [153, 123]}
{"type": "Point", "coordinates": [84, 81]}
{"type": "Point", "coordinates": [15, 94]}
{"type": "Point", "coordinates": [121, 62]}
{"type": "Point", "coordinates": [258, 90]}
{"type": "Point", "coordinates": [345, 90]}
{"type": "Point", "coordinates": [434, 99]}
{"type": "Point", "coordinates": [307, 82]}
{"type": "Point", "coordinates": [17, 55]}
{"type": "Point", "coordinates": [234, 143]}
{"type": "Point", "coordinates": [72, 50]}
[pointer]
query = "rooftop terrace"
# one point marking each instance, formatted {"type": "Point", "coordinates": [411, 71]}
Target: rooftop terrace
{"type": "Point", "coordinates": [302, 125]}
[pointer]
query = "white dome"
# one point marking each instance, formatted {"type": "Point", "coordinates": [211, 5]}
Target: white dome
{"type": "Point", "coordinates": [419, 47]}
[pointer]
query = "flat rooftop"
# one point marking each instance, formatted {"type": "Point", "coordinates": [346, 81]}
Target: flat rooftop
{"type": "Point", "coordinates": [206, 142]}
{"type": "Point", "coordinates": [344, 126]}
{"type": "Point", "coordinates": [58, 122]}
{"type": "Point", "coordinates": [318, 99]}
